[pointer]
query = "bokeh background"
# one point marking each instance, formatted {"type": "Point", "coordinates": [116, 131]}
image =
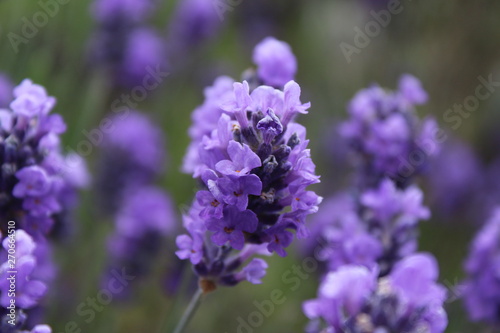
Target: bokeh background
{"type": "Point", "coordinates": [447, 44]}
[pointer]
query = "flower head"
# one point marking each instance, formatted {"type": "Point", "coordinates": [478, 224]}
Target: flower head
{"type": "Point", "coordinates": [276, 63]}
{"type": "Point", "coordinates": [386, 135]}
{"type": "Point", "coordinates": [255, 167]}
{"type": "Point", "coordinates": [36, 176]}
{"type": "Point", "coordinates": [29, 291]}
{"type": "Point", "coordinates": [481, 290]}
{"type": "Point", "coordinates": [133, 155]}
{"type": "Point", "coordinates": [125, 45]}
{"type": "Point", "coordinates": [352, 299]}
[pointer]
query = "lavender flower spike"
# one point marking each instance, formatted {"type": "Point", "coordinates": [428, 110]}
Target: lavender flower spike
{"type": "Point", "coordinates": [29, 289]}
{"type": "Point", "coordinates": [36, 176]}
{"type": "Point", "coordinates": [351, 299]}
{"type": "Point", "coordinates": [481, 290]}
{"type": "Point", "coordinates": [275, 61]}
{"type": "Point", "coordinates": [39, 189]}
{"type": "Point", "coordinates": [386, 134]}
{"type": "Point", "coordinates": [255, 167]}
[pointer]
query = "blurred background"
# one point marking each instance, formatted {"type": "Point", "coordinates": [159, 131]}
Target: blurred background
{"type": "Point", "coordinates": [446, 44]}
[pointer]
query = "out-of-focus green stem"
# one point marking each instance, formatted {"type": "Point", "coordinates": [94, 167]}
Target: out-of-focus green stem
{"type": "Point", "coordinates": [190, 311]}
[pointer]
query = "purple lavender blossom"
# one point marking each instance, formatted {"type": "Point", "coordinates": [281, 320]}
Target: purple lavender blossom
{"type": "Point", "coordinates": [6, 87]}
{"type": "Point", "coordinates": [193, 22]}
{"type": "Point", "coordinates": [376, 281]}
{"type": "Point", "coordinates": [144, 52]}
{"type": "Point", "coordinates": [455, 178]}
{"type": "Point", "coordinates": [132, 158]}
{"type": "Point", "coordinates": [343, 234]}
{"type": "Point", "coordinates": [37, 184]}
{"type": "Point", "coordinates": [204, 119]}
{"type": "Point", "coordinates": [28, 291]}
{"type": "Point", "coordinates": [481, 290]}
{"type": "Point", "coordinates": [254, 271]}
{"type": "Point", "coordinates": [133, 154]}
{"type": "Point", "coordinates": [145, 218]}
{"type": "Point", "coordinates": [147, 207]}
{"type": "Point", "coordinates": [276, 63]}
{"type": "Point", "coordinates": [388, 139]}
{"type": "Point", "coordinates": [378, 227]}
{"type": "Point", "coordinates": [409, 300]}
{"type": "Point", "coordinates": [123, 43]}
{"type": "Point", "coordinates": [35, 171]}
{"type": "Point", "coordinates": [255, 167]}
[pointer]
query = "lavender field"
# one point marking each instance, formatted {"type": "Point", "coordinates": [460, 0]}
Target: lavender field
{"type": "Point", "coordinates": [249, 166]}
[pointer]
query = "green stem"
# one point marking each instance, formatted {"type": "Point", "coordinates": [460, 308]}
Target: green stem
{"type": "Point", "coordinates": [191, 309]}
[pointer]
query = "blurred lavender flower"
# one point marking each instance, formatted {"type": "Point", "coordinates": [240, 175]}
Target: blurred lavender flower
{"type": "Point", "coordinates": [343, 235]}
{"type": "Point", "coordinates": [255, 167]}
{"type": "Point", "coordinates": [352, 299]}
{"type": "Point", "coordinates": [378, 221]}
{"type": "Point", "coordinates": [386, 135]}
{"type": "Point", "coordinates": [378, 228]}
{"type": "Point", "coordinates": [144, 50]}
{"type": "Point", "coordinates": [481, 290]}
{"type": "Point", "coordinates": [145, 218]}
{"type": "Point", "coordinates": [29, 290]}
{"type": "Point", "coordinates": [38, 191]}
{"type": "Point", "coordinates": [124, 43]}
{"type": "Point", "coordinates": [133, 154]}
{"type": "Point", "coordinates": [132, 157]}
{"type": "Point", "coordinates": [5, 90]}
{"type": "Point", "coordinates": [193, 22]}
{"type": "Point", "coordinates": [490, 190]}
{"type": "Point", "coordinates": [275, 62]}
{"type": "Point", "coordinates": [34, 173]}
{"type": "Point", "coordinates": [455, 178]}
{"type": "Point", "coordinates": [376, 282]}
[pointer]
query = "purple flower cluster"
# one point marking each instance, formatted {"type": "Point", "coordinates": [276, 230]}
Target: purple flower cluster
{"type": "Point", "coordinates": [353, 300]}
{"type": "Point", "coordinates": [37, 184]}
{"type": "Point", "coordinates": [379, 218]}
{"type": "Point", "coordinates": [379, 228]}
{"type": "Point", "coordinates": [457, 182]}
{"type": "Point", "coordinates": [133, 156]}
{"type": "Point", "coordinates": [124, 43]}
{"type": "Point", "coordinates": [376, 282]}
{"type": "Point", "coordinates": [386, 135]}
{"type": "Point", "coordinates": [29, 291]}
{"type": "Point", "coordinates": [255, 167]}
{"type": "Point", "coordinates": [36, 177]}
{"type": "Point", "coordinates": [193, 22]}
{"type": "Point", "coordinates": [276, 63]}
{"type": "Point", "coordinates": [481, 290]}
